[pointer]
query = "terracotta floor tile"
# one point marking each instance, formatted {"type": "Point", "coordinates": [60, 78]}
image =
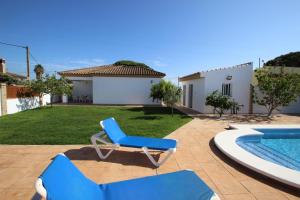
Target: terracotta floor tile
{"type": "Point", "coordinates": [223, 179]}
{"type": "Point", "coordinates": [255, 186]}
{"type": "Point", "coordinates": [170, 165]}
{"type": "Point", "coordinates": [236, 170]}
{"type": "Point", "coordinates": [202, 174]}
{"type": "Point", "coordinates": [202, 156]}
{"type": "Point", "coordinates": [7, 160]}
{"type": "Point", "coordinates": [16, 194]}
{"type": "Point", "coordinates": [188, 162]}
{"type": "Point", "coordinates": [25, 182]}
{"type": "Point", "coordinates": [269, 196]}
{"type": "Point", "coordinates": [239, 197]}
{"type": "Point", "coordinates": [9, 176]}
{"type": "Point", "coordinates": [30, 160]}
{"type": "Point", "coordinates": [291, 196]}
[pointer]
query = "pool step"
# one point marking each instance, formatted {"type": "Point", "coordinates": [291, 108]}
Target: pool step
{"type": "Point", "coordinates": [270, 154]}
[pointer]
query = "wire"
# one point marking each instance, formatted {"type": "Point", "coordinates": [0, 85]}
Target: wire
{"type": "Point", "coordinates": [14, 45]}
{"type": "Point", "coordinates": [33, 58]}
{"type": "Point", "coordinates": [20, 46]}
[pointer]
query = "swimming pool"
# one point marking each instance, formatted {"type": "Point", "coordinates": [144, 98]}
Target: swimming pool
{"type": "Point", "coordinates": [280, 146]}
{"type": "Point", "coordinates": [272, 150]}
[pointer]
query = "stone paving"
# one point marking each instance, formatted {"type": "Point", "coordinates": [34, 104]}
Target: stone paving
{"type": "Point", "coordinates": [20, 165]}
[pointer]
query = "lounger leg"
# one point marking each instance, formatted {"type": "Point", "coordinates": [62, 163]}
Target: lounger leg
{"type": "Point", "coordinates": [157, 164]}
{"type": "Point", "coordinates": [96, 138]}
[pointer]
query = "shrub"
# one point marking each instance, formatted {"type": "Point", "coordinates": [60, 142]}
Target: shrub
{"type": "Point", "coordinates": [219, 102]}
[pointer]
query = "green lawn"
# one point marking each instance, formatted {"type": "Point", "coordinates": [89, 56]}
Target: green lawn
{"type": "Point", "coordinates": [76, 124]}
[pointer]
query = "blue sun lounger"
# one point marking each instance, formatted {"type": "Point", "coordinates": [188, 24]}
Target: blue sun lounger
{"type": "Point", "coordinates": [61, 180]}
{"type": "Point", "coordinates": [119, 138]}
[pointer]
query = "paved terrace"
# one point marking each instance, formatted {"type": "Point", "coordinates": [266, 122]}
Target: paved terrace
{"type": "Point", "coordinates": [21, 165]}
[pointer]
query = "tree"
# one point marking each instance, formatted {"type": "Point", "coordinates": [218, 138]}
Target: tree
{"type": "Point", "coordinates": [39, 71]}
{"type": "Point", "coordinates": [4, 78]}
{"type": "Point", "coordinates": [130, 63]}
{"type": "Point", "coordinates": [219, 102]}
{"type": "Point", "coordinates": [34, 86]}
{"type": "Point", "coordinates": [56, 86]}
{"type": "Point", "coordinates": [276, 89]}
{"type": "Point", "coordinates": [172, 95]}
{"type": "Point", "coordinates": [290, 60]}
{"type": "Point", "coordinates": [49, 85]}
{"type": "Point", "coordinates": [167, 92]}
{"type": "Point", "coordinates": [158, 90]}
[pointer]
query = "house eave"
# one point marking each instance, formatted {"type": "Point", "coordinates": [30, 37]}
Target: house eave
{"type": "Point", "coordinates": [111, 75]}
{"type": "Point", "coordinates": [189, 77]}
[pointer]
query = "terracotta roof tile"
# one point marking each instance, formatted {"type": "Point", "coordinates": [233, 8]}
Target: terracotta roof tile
{"type": "Point", "coordinates": [16, 76]}
{"type": "Point", "coordinates": [114, 70]}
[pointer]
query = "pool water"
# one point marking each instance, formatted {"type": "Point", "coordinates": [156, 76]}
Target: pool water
{"type": "Point", "coordinates": [280, 146]}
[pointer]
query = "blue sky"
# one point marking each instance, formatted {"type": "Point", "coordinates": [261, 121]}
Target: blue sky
{"type": "Point", "coordinates": [172, 36]}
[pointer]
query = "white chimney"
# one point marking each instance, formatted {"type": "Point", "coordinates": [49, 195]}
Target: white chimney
{"type": "Point", "coordinates": [2, 66]}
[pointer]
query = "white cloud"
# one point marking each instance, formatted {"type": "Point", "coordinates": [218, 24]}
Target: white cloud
{"type": "Point", "coordinates": [158, 63]}
{"type": "Point", "coordinates": [72, 64]}
{"type": "Point", "coordinates": [52, 67]}
{"type": "Point", "coordinates": [87, 62]}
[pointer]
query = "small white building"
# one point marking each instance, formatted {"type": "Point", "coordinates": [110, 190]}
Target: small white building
{"type": "Point", "coordinates": [232, 81]}
{"type": "Point", "coordinates": [113, 84]}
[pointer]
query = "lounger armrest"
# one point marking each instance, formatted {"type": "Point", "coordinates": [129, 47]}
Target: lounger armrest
{"type": "Point", "coordinates": [99, 138]}
{"type": "Point", "coordinates": [40, 188]}
{"type": "Point", "coordinates": [215, 197]}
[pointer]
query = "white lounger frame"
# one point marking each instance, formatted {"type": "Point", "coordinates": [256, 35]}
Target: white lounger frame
{"type": "Point", "coordinates": [99, 137]}
{"type": "Point", "coordinates": [39, 185]}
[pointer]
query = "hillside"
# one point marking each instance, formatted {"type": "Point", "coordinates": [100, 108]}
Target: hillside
{"type": "Point", "coordinates": [289, 60]}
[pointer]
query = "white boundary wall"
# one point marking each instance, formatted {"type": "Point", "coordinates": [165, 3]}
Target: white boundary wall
{"type": "Point", "coordinates": [21, 104]}
{"type": "Point", "coordinates": [293, 108]}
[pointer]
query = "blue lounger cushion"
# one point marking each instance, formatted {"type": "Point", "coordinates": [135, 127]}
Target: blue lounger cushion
{"type": "Point", "coordinates": [63, 181]}
{"type": "Point", "coordinates": [113, 130]}
{"type": "Point", "coordinates": [180, 185]}
{"type": "Point", "coordinates": [151, 143]}
{"type": "Point", "coordinates": [116, 135]}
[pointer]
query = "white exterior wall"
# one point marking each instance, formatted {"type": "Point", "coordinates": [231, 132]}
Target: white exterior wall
{"type": "Point", "coordinates": [198, 94]}
{"type": "Point", "coordinates": [213, 80]}
{"type": "Point", "coordinates": [240, 83]}
{"type": "Point", "coordinates": [122, 90]}
{"type": "Point", "coordinates": [21, 104]}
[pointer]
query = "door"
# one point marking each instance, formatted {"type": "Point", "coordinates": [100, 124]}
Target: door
{"type": "Point", "coordinates": [190, 95]}
{"type": "Point", "coordinates": [184, 96]}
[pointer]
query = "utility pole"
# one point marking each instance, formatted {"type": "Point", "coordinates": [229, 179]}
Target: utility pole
{"type": "Point", "coordinates": [27, 61]}
{"type": "Point", "coordinates": [27, 55]}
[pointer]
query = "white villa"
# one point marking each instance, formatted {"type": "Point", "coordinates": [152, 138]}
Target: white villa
{"type": "Point", "coordinates": [113, 84]}
{"type": "Point", "coordinates": [232, 81]}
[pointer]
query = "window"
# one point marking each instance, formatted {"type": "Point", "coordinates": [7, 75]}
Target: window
{"type": "Point", "coordinates": [226, 89]}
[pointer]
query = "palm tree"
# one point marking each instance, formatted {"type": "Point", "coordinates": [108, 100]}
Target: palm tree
{"type": "Point", "coordinates": [39, 71]}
